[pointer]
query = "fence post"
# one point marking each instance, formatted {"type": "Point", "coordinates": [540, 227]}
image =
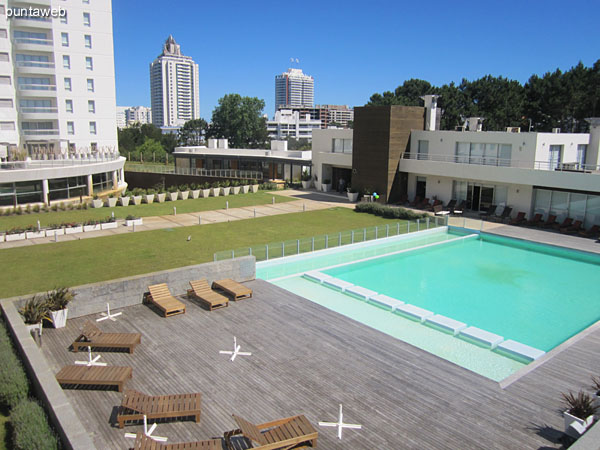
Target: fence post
{"type": "Point", "coordinates": [464, 222]}
{"type": "Point", "coordinates": [428, 222]}
{"type": "Point", "coordinates": [397, 228]}
{"type": "Point", "coordinates": [282, 249]}
{"type": "Point", "coordinates": [303, 207]}
{"type": "Point", "coordinates": [387, 230]}
{"type": "Point", "coordinates": [273, 200]}
{"type": "Point", "coordinates": [199, 220]}
{"type": "Point", "coordinates": [352, 237]}
{"type": "Point", "coordinates": [340, 239]}
{"type": "Point", "coordinates": [215, 257]}
{"type": "Point", "coordinates": [376, 231]}
{"type": "Point", "coordinates": [312, 246]}
{"type": "Point", "coordinates": [174, 210]}
{"type": "Point", "coordinates": [255, 213]}
{"type": "Point", "coordinates": [297, 246]}
{"type": "Point", "coordinates": [418, 225]}
{"type": "Point", "coordinates": [408, 226]}
{"type": "Point", "coordinates": [250, 251]}
{"type": "Point", "coordinates": [227, 204]}
{"type": "Point", "coordinates": [326, 241]}
{"type": "Point", "coordinates": [364, 234]}
{"type": "Point", "coordinates": [267, 251]}
{"type": "Point", "coordinates": [232, 254]}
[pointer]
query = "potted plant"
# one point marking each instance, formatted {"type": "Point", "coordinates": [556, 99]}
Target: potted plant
{"type": "Point", "coordinates": [215, 189]}
{"type": "Point", "coordinates": [54, 230]}
{"type": "Point", "coordinates": [596, 395]}
{"type": "Point", "coordinates": [56, 302]}
{"type": "Point", "coordinates": [91, 225]}
{"type": "Point", "coordinates": [137, 196]}
{"type": "Point", "coordinates": [580, 409]}
{"type": "Point", "coordinates": [326, 186]}
{"type": "Point", "coordinates": [133, 220]}
{"type": "Point", "coordinates": [235, 187]}
{"type": "Point", "coordinates": [111, 201]}
{"type": "Point", "coordinates": [245, 186]}
{"type": "Point", "coordinates": [15, 234]}
{"type": "Point", "coordinates": [254, 186]}
{"type": "Point", "coordinates": [173, 194]}
{"type": "Point", "coordinates": [352, 194]}
{"type": "Point", "coordinates": [305, 179]}
{"type": "Point", "coordinates": [72, 228]}
{"type": "Point", "coordinates": [97, 202]}
{"type": "Point", "coordinates": [33, 312]}
{"type": "Point", "coordinates": [32, 232]}
{"type": "Point", "coordinates": [108, 223]}
{"type": "Point", "coordinates": [149, 196]}
{"type": "Point", "coordinates": [184, 192]}
{"type": "Point", "coordinates": [161, 195]}
{"type": "Point", "coordinates": [205, 191]}
{"type": "Point", "coordinates": [225, 188]}
{"type": "Point", "coordinates": [124, 199]}
{"type": "Point", "coordinates": [195, 191]}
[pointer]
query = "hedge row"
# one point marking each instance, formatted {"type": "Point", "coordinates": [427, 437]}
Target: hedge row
{"type": "Point", "coordinates": [30, 428]}
{"type": "Point", "coordinates": [389, 212]}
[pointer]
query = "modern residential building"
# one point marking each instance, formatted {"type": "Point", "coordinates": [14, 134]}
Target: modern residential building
{"type": "Point", "coordinates": [129, 115]}
{"type": "Point", "coordinates": [332, 157]}
{"type": "Point", "coordinates": [58, 135]}
{"type": "Point", "coordinates": [174, 87]}
{"type": "Point", "coordinates": [294, 89]}
{"type": "Point", "coordinates": [292, 124]}
{"type": "Point", "coordinates": [329, 115]}
{"type": "Point", "coordinates": [276, 163]}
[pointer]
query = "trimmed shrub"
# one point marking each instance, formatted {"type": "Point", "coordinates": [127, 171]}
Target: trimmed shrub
{"type": "Point", "coordinates": [30, 427]}
{"type": "Point", "coordinates": [14, 386]}
{"type": "Point", "coordinates": [388, 211]}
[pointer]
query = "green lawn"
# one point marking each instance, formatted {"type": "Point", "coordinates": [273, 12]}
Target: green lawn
{"type": "Point", "coordinates": [154, 209]}
{"type": "Point", "coordinates": [4, 435]}
{"type": "Point", "coordinates": [42, 267]}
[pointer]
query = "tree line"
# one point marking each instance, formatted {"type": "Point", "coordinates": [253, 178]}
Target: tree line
{"type": "Point", "coordinates": [555, 100]}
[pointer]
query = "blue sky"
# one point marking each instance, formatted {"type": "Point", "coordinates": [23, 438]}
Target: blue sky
{"type": "Point", "coordinates": [352, 48]}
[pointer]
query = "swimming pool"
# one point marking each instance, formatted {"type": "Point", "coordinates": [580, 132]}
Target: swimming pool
{"type": "Point", "coordinates": [521, 292]}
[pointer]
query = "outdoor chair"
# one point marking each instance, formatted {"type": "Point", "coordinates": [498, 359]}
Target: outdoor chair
{"type": "Point", "coordinates": [94, 376]}
{"type": "Point", "coordinates": [209, 298]}
{"type": "Point", "coordinates": [92, 336]}
{"type": "Point", "coordinates": [502, 216]}
{"type": "Point", "coordinates": [237, 290]}
{"type": "Point", "coordinates": [491, 210]}
{"type": "Point", "coordinates": [564, 225]}
{"type": "Point", "coordinates": [439, 211]}
{"type": "Point", "coordinates": [550, 222]}
{"type": "Point", "coordinates": [161, 297]}
{"type": "Point", "coordinates": [135, 405]}
{"type": "Point", "coordinates": [143, 442]}
{"type": "Point", "coordinates": [520, 219]}
{"type": "Point", "coordinates": [536, 221]}
{"type": "Point", "coordinates": [593, 232]}
{"type": "Point", "coordinates": [280, 434]}
{"type": "Point", "coordinates": [415, 202]}
{"type": "Point", "coordinates": [573, 229]}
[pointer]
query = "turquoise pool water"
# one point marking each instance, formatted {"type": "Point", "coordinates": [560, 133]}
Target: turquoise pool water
{"type": "Point", "coordinates": [531, 293]}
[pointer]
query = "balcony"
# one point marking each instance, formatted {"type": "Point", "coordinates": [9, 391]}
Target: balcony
{"type": "Point", "coordinates": [41, 134]}
{"type": "Point", "coordinates": [505, 171]}
{"type": "Point", "coordinates": [33, 44]}
{"type": "Point", "coordinates": [32, 22]}
{"type": "Point", "coordinates": [49, 112]}
{"type": "Point", "coordinates": [35, 67]}
{"type": "Point", "coordinates": [37, 90]}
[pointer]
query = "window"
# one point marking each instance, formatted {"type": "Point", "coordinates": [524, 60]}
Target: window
{"type": "Point", "coordinates": [555, 156]}
{"type": "Point", "coordinates": [2, 9]}
{"type": "Point", "coordinates": [88, 41]}
{"type": "Point", "coordinates": [70, 127]}
{"type": "Point", "coordinates": [6, 103]}
{"type": "Point", "coordinates": [86, 1]}
{"type": "Point", "coordinates": [92, 127]}
{"type": "Point", "coordinates": [7, 126]}
{"type": "Point", "coordinates": [4, 57]}
{"type": "Point", "coordinates": [67, 84]}
{"type": "Point", "coordinates": [581, 152]}
{"type": "Point", "coordinates": [423, 150]}
{"type": "Point", "coordinates": [89, 63]}
{"type": "Point", "coordinates": [63, 19]}
{"type": "Point", "coordinates": [64, 37]}
{"type": "Point", "coordinates": [341, 145]}
{"type": "Point", "coordinates": [4, 79]}
{"type": "Point", "coordinates": [69, 105]}
{"type": "Point", "coordinates": [3, 33]}
{"type": "Point", "coordinates": [86, 19]}
{"type": "Point", "coordinates": [91, 106]}
{"type": "Point", "coordinates": [90, 85]}
{"type": "Point", "coordinates": [66, 61]}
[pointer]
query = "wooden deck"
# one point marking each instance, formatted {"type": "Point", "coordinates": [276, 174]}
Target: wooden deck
{"type": "Point", "coordinates": [306, 360]}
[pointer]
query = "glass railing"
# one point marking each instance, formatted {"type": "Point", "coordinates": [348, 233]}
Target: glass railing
{"type": "Point", "coordinates": [221, 173]}
{"type": "Point", "coordinates": [23, 40]}
{"type": "Point", "coordinates": [38, 109]}
{"type": "Point", "coordinates": [269, 251]}
{"type": "Point", "coordinates": [37, 87]}
{"type": "Point", "coordinates": [37, 64]}
{"type": "Point", "coordinates": [47, 132]}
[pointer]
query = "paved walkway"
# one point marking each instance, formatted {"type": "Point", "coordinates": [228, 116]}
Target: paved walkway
{"type": "Point", "coordinates": [306, 201]}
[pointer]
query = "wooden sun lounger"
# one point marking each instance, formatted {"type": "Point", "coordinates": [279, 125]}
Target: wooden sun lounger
{"type": "Point", "coordinates": [161, 297]}
{"type": "Point", "coordinates": [136, 405]}
{"type": "Point", "coordinates": [95, 375]}
{"type": "Point", "coordinates": [211, 299]}
{"type": "Point", "coordinates": [143, 442]}
{"type": "Point", "coordinates": [92, 336]}
{"type": "Point", "coordinates": [280, 434]}
{"type": "Point", "coordinates": [237, 290]}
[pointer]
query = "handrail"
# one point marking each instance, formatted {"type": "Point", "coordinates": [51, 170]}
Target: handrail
{"type": "Point", "coordinates": [65, 162]}
{"type": "Point", "coordinates": [218, 173]}
{"type": "Point", "coordinates": [501, 162]}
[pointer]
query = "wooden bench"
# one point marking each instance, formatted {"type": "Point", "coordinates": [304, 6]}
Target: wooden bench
{"type": "Point", "coordinates": [209, 298]}
{"type": "Point", "coordinates": [280, 434]}
{"type": "Point", "coordinates": [143, 442]}
{"type": "Point", "coordinates": [161, 297]}
{"type": "Point", "coordinates": [237, 290]}
{"type": "Point", "coordinates": [92, 336]}
{"type": "Point", "coordinates": [136, 405]}
{"type": "Point", "coordinates": [95, 375]}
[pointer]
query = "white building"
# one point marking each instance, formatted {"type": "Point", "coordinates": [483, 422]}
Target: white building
{"type": "Point", "coordinates": [57, 85]}
{"type": "Point", "coordinates": [174, 87]}
{"type": "Point", "coordinates": [294, 89]}
{"type": "Point", "coordinates": [332, 157]}
{"type": "Point", "coordinates": [130, 115]}
{"type": "Point", "coordinates": [57, 102]}
{"type": "Point", "coordinates": [291, 124]}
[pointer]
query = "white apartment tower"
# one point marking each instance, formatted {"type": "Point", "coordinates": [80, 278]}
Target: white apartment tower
{"type": "Point", "coordinates": [294, 89]}
{"type": "Point", "coordinates": [57, 78]}
{"type": "Point", "coordinates": [174, 87]}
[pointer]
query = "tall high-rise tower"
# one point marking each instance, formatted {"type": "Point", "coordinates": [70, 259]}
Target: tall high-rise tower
{"type": "Point", "coordinates": [174, 87]}
{"type": "Point", "coordinates": [294, 89]}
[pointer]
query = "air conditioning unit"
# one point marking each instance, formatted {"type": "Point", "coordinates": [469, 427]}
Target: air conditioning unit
{"type": "Point", "coordinates": [556, 130]}
{"type": "Point", "coordinates": [513, 129]}
{"type": "Point", "coordinates": [460, 128]}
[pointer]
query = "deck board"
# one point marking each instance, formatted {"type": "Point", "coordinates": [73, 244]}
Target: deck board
{"type": "Point", "coordinates": [306, 360]}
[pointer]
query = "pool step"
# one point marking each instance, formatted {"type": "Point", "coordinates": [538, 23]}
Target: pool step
{"type": "Point", "coordinates": [415, 312]}
{"type": "Point", "coordinates": [337, 283]}
{"type": "Point", "coordinates": [386, 301]}
{"type": "Point", "coordinates": [522, 350]}
{"type": "Point", "coordinates": [454, 326]}
{"type": "Point", "coordinates": [317, 276]}
{"type": "Point", "coordinates": [362, 292]}
{"type": "Point", "coordinates": [482, 336]}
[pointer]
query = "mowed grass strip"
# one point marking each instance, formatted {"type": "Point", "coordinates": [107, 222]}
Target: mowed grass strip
{"type": "Point", "coordinates": [41, 267]}
{"type": "Point", "coordinates": [143, 210]}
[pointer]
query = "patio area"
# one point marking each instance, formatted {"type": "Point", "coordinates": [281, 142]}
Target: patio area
{"type": "Point", "coordinates": [306, 360]}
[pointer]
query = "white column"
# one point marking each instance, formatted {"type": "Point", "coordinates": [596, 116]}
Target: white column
{"type": "Point", "coordinates": [45, 192]}
{"type": "Point", "coordinates": [90, 185]}
{"type": "Point", "coordinates": [115, 180]}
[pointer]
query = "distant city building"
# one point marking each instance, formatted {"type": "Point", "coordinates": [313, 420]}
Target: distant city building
{"type": "Point", "coordinates": [129, 115]}
{"type": "Point", "coordinates": [329, 115]}
{"type": "Point", "coordinates": [174, 87]}
{"type": "Point", "coordinates": [122, 116]}
{"type": "Point", "coordinates": [294, 89]}
{"type": "Point", "coordinates": [292, 124]}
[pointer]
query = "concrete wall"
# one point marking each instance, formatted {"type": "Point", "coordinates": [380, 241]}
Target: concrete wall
{"type": "Point", "coordinates": [569, 142]}
{"type": "Point", "coordinates": [92, 298]}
